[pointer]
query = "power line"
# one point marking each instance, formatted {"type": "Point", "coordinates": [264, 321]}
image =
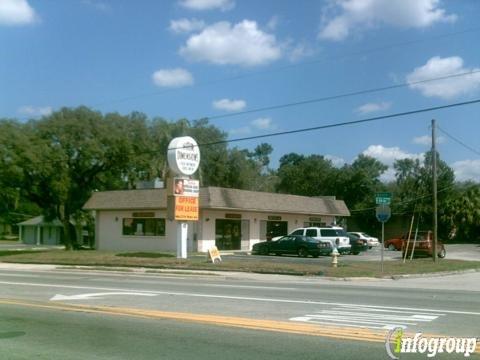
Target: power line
{"type": "Point", "coordinates": [407, 201]}
{"type": "Point", "coordinates": [338, 96]}
{"type": "Point", "coordinates": [287, 67]}
{"type": "Point", "coordinates": [458, 141]}
{"type": "Point", "coordinates": [315, 128]}
{"type": "Point", "coordinates": [345, 123]}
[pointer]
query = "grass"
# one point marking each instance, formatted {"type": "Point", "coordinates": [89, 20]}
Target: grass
{"type": "Point", "coordinates": [146, 255]}
{"type": "Point", "coordinates": [17, 252]}
{"type": "Point", "coordinates": [347, 267]}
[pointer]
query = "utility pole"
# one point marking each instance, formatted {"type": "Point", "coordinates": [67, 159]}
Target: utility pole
{"type": "Point", "coordinates": [434, 170]}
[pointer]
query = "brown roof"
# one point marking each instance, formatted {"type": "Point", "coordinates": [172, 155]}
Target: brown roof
{"type": "Point", "coordinates": [220, 198]}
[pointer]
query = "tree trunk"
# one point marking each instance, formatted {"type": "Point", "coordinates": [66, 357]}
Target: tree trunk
{"type": "Point", "coordinates": [67, 238]}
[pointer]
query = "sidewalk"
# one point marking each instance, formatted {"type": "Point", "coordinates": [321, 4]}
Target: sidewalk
{"type": "Point", "coordinates": [468, 281]}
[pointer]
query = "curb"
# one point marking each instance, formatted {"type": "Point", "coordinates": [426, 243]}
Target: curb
{"type": "Point", "coordinates": [433, 274]}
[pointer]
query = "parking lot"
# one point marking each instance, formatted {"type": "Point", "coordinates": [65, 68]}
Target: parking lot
{"type": "Point", "coordinates": [454, 251]}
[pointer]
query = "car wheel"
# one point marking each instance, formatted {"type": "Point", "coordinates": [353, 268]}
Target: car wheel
{"type": "Point", "coordinates": [315, 255]}
{"type": "Point", "coordinates": [391, 247]}
{"type": "Point", "coordinates": [442, 253]}
{"type": "Point", "coordinates": [302, 252]}
{"type": "Point", "coordinates": [356, 252]}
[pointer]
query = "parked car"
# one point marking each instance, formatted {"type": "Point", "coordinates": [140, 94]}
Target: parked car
{"type": "Point", "coordinates": [293, 244]}
{"type": "Point", "coordinates": [372, 241]}
{"type": "Point", "coordinates": [358, 244]}
{"type": "Point", "coordinates": [423, 246]}
{"type": "Point", "coordinates": [395, 243]}
{"type": "Point", "coordinates": [337, 237]}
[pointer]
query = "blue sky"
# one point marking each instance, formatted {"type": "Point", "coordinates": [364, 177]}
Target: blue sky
{"type": "Point", "coordinates": [198, 58]}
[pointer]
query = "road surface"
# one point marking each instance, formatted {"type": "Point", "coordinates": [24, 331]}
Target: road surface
{"type": "Point", "coordinates": [58, 313]}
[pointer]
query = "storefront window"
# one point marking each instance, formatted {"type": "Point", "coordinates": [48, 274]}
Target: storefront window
{"type": "Point", "coordinates": [143, 227]}
{"type": "Point", "coordinates": [228, 234]}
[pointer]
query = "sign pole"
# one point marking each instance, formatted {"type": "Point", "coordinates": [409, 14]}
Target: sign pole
{"type": "Point", "coordinates": [383, 246]}
{"type": "Point", "coordinates": [383, 213]}
{"type": "Point", "coordinates": [182, 231]}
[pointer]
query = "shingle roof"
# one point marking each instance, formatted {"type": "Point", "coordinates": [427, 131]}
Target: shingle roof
{"type": "Point", "coordinates": [220, 198]}
{"type": "Point", "coordinates": [39, 220]}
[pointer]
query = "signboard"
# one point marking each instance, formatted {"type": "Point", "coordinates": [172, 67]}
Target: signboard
{"type": "Point", "coordinates": [183, 155]}
{"type": "Point", "coordinates": [384, 198]}
{"type": "Point", "coordinates": [185, 187]}
{"type": "Point", "coordinates": [214, 254]}
{"type": "Point", "coordinates": [185, 208]}
{"type": "Point", "coordinates": [274, 218]}
{"type": "Point", "coordinates": [383, 213]}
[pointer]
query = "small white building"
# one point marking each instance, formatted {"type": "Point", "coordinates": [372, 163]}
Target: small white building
{"type": "Point", "coordinates": [230, 219]}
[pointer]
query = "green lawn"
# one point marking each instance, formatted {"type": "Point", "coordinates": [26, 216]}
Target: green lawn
{"type": "Point", "coordinates": [347, 267]}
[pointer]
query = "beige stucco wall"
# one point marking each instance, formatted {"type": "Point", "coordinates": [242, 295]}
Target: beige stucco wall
{"type": "Point", "coordinates": [201, 234]}
{"type": "Point", "coordinates": [109, 233]}
{"type": "Point", "coordinates": [207, 227]}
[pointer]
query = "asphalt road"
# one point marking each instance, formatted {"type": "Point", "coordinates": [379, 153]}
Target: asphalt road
{"type": "Point", "coordinates": [48, 313]}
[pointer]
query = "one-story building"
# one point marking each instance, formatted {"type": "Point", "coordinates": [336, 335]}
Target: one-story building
{"type": "Point", "coordinates": [230, 219]}
{"type": "Point", "coordinates": [37, 231]}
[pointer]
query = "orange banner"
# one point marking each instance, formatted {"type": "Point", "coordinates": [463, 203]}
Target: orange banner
{"type": "Point", "coordinates": [186, 208]}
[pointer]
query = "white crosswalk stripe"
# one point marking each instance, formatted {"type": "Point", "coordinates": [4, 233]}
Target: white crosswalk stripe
{"type": "Point", "coordinates": [368, 317]}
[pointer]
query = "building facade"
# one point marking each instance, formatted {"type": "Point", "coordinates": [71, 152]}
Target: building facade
{"type": "Point", "coordinates": [231, 219]}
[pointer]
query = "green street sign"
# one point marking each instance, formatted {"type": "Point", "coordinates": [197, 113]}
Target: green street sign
{"type": "Point", "coordinates": [383, 198]}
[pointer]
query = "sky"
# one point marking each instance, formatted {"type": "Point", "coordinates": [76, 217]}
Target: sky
{"type": "Point", "coordinates": [224, 58]}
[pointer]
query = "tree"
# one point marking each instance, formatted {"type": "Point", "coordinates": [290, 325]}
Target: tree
{"type": "Point", "coordinates": [311, 175]}
{"type": "Point", "coordinates": [414, 184]}
{"type": "Point", "coordinates": [70, 154]}
{"type": "Point", "coordinates": [462, 214]}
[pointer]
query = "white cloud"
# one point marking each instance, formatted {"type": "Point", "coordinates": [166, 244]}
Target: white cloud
{"type": "Point", "coordinates": [300, 51]}
{"type": "Point", "coordinates": [337, 161]}
{"type": "Point", "coordinates": [257, 124]}
{"type": "Point", "coordinates": [273, 22]}
{"type": "Point", "coordinates": [200, 5]}
{"type": "Point", "coordinates": [427, 140]}
{"type": "Point", "coordinates": [355, 14]}
{"type": "Point", "coordinates": [16, 12]}
{"type": "Point", "coordinates": [229, 105]}
{"type": "Point", "coordinates": [186, 25]}
{"type": "Point", "coordinates": [467, 170]}
{"type": "Point", "coordinates": [263, 124]}
{"type": "Point", "coordinates": [373, 107]}
{"type": "Point", "coordinates": [447, 88]}
{"type": "Point", "coordinates": [388, 175]}
{"type": "Point", "coordinates": [33, 111]}
{"type": "Point", "coordinates": [388, 155]}
{"type": "Point", "coordinates": [226, 44]}
{"type": "Point", "coordinates": [172, 78]}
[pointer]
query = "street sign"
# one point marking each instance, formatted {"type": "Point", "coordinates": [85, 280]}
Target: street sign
{"type": "Point", "coordinates": [384, 198]}
{"type": "Point", "coordinates": [383, 213]}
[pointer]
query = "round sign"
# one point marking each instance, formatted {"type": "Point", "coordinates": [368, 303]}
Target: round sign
{"type": "Point", "coordinates": [183, 155]}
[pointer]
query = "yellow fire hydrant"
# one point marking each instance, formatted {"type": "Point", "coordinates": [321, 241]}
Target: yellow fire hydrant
{"type": "Point", "coordinates": [335, 257]}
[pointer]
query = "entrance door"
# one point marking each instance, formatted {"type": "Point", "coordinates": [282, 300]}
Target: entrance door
{"type": "Point", "coordinates": [276, 228]}
{"type": "Point", "coordinates": [228, 234]}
